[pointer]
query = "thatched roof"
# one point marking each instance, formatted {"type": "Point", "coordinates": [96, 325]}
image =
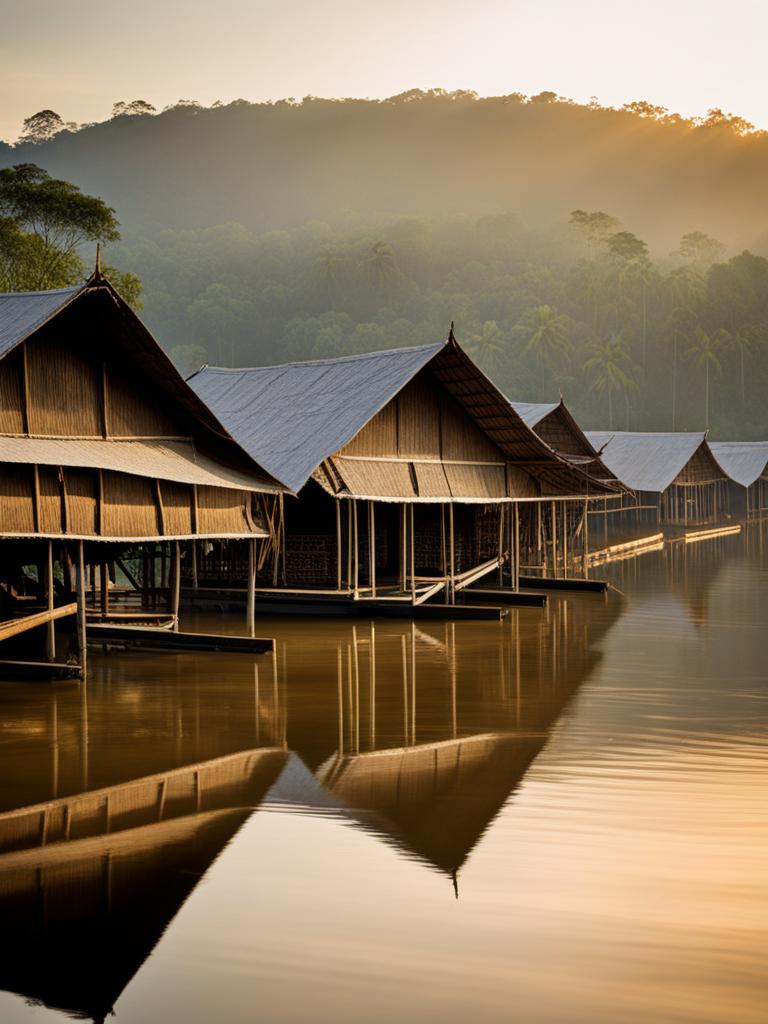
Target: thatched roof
{"type": "Point", "coordinates": [646, 462]}
{"type": "Point", "coordinates": [23, 314]}
{"type": "Point", "coordinates": [292, 417]}
{"type": "Point", "coordinates": [744, 462]}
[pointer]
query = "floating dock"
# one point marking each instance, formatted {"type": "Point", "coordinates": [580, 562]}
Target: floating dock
{"type": "Point", "coordinates": [557, 583]}
{"type": "Point", "coordinates": [158, 638]}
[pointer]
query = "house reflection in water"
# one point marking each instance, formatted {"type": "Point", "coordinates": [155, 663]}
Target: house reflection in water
{"type": "Point", "coordinates": [417, 735]}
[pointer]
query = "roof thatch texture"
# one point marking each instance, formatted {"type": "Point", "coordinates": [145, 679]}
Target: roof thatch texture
{"type": "Point", "coordinates": [744, 462]}
{"type": "Point", "coordinates": [646, 462]}
{"type": "Point", "coordinates": [291, 418]}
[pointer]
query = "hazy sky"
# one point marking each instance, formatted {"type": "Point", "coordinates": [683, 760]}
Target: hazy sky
{"type": "Point", "coordinates": [78, 57]}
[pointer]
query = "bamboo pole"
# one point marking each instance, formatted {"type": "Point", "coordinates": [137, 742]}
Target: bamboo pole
{"type": "Point", "coordinates": [50, 633]}
{"type": "Point", "coordinates": [349, 544]}
{"type": "Point", "coordinates": [176, 592]}
{"type": "Point", "coordinates": [356, 551]}
{"type": "Point", "coordinates": [338, 545]}
{"type": "Point", "coordinates": [586, 539]}
{"type": "Point", "coordinates": [251, 596]}
{"type": "Point", "coordinates": [516, 577]}
{"type": "Point", "coordinates": [566, 524]}
{"type": "Point", "coordinates": [553, 531]}
{"type": "Point", "coordinates": [413, 556]}
{"type": "Point", "coordinates": [452, 550]}
{"type": "Point", "coordinates": [80, 600]}
{"type": "Point", "coordinates": [104, 589]}
{"type": "Point", "coordinates": [501, 545]}
{"type": "Point", "coordinates": [403, 547]}
{"type": "Point", "coordinates": [372, 547]}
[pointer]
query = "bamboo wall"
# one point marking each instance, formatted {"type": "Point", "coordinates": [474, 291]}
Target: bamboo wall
{"type": "Point", "coordinates": [423, 444]}
{"type": "Point", "coordinates": [67, 381]}
{"type": "Point", "coordinates": [56, 501]}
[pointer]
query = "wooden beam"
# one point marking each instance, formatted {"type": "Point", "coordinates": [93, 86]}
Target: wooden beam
{"type": "Point", "coordinates": [13, 627]}
{"type": "Point", "coordinates": [372, 547]}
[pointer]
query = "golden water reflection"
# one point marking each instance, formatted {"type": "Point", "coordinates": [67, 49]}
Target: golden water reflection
{"type": "Point", "coordinates": [586, 779]}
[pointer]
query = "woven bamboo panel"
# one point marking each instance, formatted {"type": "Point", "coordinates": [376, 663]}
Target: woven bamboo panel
{"type": "Point", "coordinates": [376, 479]}
{"type": "Point", "coordinates": [177, 508]}
{"type": "Point", "coordinates": [221, 511]}
{"type": "Point", "coordinates": [419, 419]}
{"type": "Point", "coordinates": [701, 469]}
{"type": "Point", "coordinates": [521, 484]}
{"type": "Point", "coordinates": [476, 481]}
{"type": "Point", "coordinates": [129, 507]}
{"type": "Point", "coordinates": [50, 500]}
{"type": "Point", "coordinates": [131, 414]}
{"type": "Point", "coordinates": [378, 436]}
{"type": "Point", "coordinates": [17, 502]}
{"type": "Point", "coordinates": [431, 480]}
{"type": "Point", "coordinates": [82, 489]}
{"type": "Point", "coordinates": [461, 437]}
{"type": "Point", "coordinates": [64, 391]}
{"type": "Point", "coordinates": [555, 431]}
{"type": "Point", "coordinates": [11, 417]}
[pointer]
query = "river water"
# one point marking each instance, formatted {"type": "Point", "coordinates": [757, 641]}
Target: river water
{"type": "Point", "coordinates": [559, 818]}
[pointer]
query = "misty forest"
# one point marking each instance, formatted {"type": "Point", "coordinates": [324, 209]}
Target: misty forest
{"type": "Point", "coordinates": [616, 256]}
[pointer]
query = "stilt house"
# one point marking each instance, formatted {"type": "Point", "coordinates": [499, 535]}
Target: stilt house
{"type": "Point", "coordinates": [746, 465]}
{"type": "Point", "coordinates": [674, 476]}
{"type": "Point", "coordinates": [103, 449]}
{"type": "Point", "coordinates": [411, 470]}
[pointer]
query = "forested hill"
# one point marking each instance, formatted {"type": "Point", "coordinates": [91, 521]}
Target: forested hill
{"type": "Point", "coordinates": [424, 154]}
{"type": "Point", "coordinates": [594, 251]}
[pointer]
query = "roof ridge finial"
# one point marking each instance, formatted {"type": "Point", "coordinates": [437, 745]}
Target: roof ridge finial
{"type": "Point", "coordinates": [451, 336]}
{"type": "Point", "coordinates": [97, 269]}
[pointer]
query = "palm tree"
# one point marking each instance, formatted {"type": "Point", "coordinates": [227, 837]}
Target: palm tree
{"type": "Point", "coordinates": [487, 346]}
{"type": "Point", "coordinates": [704, 355]}
{"type": "Point", "coordinates": [550, 341]}
{"type": "Point", "coordinates": [331, 265]}
{"type": "Point", "coordinates": [679, 326]}
{"type": "Point", "coordinates": [611, 370]}
{"type": "Point", "coordinates": [742, 341]}
{"type": "Point", "coordinates": [380, 264]}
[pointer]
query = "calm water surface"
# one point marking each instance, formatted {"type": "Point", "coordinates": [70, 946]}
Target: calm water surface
{"type": "Point", "coordinates": [558, 818]}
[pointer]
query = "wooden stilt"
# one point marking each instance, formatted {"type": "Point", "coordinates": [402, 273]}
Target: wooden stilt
{"type": "Point", "coordinates": [516, 571]}
{"type": "Point", "coordinates": [372, 547]}
{"type": "Point", "coordinates": [251, 596]}
{"type": "Point", "coordinates": [355, 551]}
{"type": "Point", "coordinates": [501, 545]}
{"type": "Point", "coordinates": [176, 588]}
{"type": "Point", "coordinates": [412, 541]}
{"type": "Point", "coordinates": [452, 556]}
{"type": "Point", "coordinates": [104, 589]}
{"type": "Point", "coordinates": [553, 532]}
{"type": "Point", "coordinates": [80, 598]}
{"type": "Point", "coordinates": [338, 545]}
{"type": "Point", "coordinates": [349, 545]}
{"type": "Point", "coordinates": [585, 571]}
{"type": "Point", "coordinates": [193, 551]}
{"type": "Point", "coordinates": [50, 633]}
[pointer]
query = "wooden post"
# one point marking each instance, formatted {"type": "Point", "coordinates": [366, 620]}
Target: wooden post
{"type": "Point", "coordinates": [251, 596]}
{"type": "Point", "coordinates": [104, 572]}
{"type": "Point", "coordinates": [356, 550]}
{"type": "Point", "coordinates": [566, 524]}
{"type": "Point", "coordinates": [50, 634]}
{"type": "Point", "coordinates": [176, 592]}
{"type": "Point", "coordinates": [553, 512]}
{"type": "Point", "coordinates": [516, 576]}
{"type": "Point", "coordinates": [372, 547]}
{"type": "Point", "coordinates": [403, 547]}
{"type": "Point", "coordinates": [586, 538]}
{"type": "Point", "coordinates": [80, 623]}
{"type": "Point", "coordinates": [452, 555]}
{"type": "Point", "coordinates": [338, 544]}
{"type": "Point", "coordinates": [193, 549]}
{"type": "Point", "coordinates": [501, 545]}
{"type": "Point", "coordinates": [413, 556]}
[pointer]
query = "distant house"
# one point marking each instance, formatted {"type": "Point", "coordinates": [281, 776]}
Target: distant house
{"type": "Point", "coordinates": [674, 475]}
{"type": "Point", "coordinates": [103, 447]}
{"type": "Point", "coordinates": [746, 465]}
{"type": "Point", "coordinates": [448, 476]}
